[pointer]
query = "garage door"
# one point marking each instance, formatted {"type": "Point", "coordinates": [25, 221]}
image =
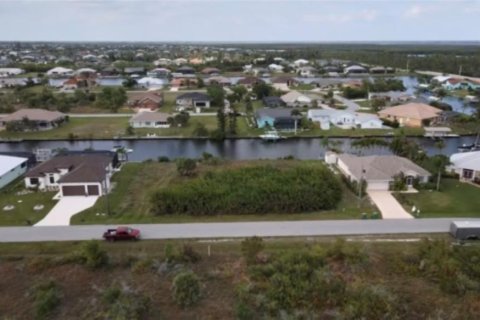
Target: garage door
{"type": "Point", "coordinates": [73, 190]}
{"type": "Point", "coordinates": [93, 190]}
{"type": "Point", "coordinates": [379, 186]}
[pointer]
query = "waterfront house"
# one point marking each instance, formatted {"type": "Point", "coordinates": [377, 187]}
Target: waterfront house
{"type": "Point", "coordinates": [194, 99]}
{"type": "Point", "coordinates": [378, 171]}
{"type": "Point", "coordinates": [344, 119]}
{"type": "Point", "coordinates": [11, 168]}
{"type": "Point", "coordinates": [273, 102]}
{"type": "Point", "coordinates": [412, 114]}
{"type": "Point", "coordinates": [466, 165]}
{"type": "Point", "coordinates": [74, 174]}
{"type": "Point", "coordinates": [355, 69]}
{"type": "Point", "coordinates": [296, 99]}
{"type": "Point", "coordinates": [60, 72]}
{"type": "Point", "coordinates": [32, 120]}
{"type": "Point", "coordinates": [147, 119]}
{"type": "Point", "coordinates": [278, 118]}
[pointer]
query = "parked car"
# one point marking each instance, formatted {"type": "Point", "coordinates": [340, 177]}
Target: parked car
{"type": "Point", "coordinates": [465, 230]}
{"type": "Point", "coordinates": [121, 233]}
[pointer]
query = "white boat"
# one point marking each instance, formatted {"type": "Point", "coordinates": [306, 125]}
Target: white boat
{"type": "Point", "coordinates": [270, 136]}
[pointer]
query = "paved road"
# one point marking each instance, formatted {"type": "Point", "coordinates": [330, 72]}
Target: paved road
{"type": "Point", "coordinates": [127, 115]}
{"type": "Point", "coordinates": [352, 106]}
{"type": "Point", "coordinates": [234, 229]}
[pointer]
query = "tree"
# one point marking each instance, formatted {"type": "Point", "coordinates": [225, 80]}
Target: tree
{"type": "Point", "coordinates": [129, 83]}
{"type": "Point", "coordinates": [186, 289]}
{"type": "Point", "coordinates": [248, 106]}
{"type": "Point", "coordinates": [251, 247]}
{"type": "Point", "coordinates": [200, 83]}
{"type": "Point", "coordinates": [181, 119]}
{"type": "Point", "coordinates": [262, 90]}
{"type": "Point", "coordinates": [217, 95]}
{"type": "Point", "coordinates": [232, 122]}
{"type": "Point", "coordinates": [185, 166]}
{"type": "Point", "coordinates": [111, 98]}
{"type": "Point", "coordinates": [439, 162]}
{"type": "Point", "coordinates": [200, 130]}
{"type": "Point", "coordinates": [92, 255]}
{"type": "Point", "coordinates": [239, 93]}
{"type": "Point", "coordinates": [221, 122]}
{"type": "Point", "coordinates": [129, 131]}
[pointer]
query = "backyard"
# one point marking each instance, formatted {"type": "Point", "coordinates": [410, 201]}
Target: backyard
{"type": "Point", "coordinates": [455, 199]}
{"type": "Point", "coordinates": [130, 200]}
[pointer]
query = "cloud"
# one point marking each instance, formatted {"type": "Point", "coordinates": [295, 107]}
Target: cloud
{"type": "Point", "coordinates": [364, 15]}
{"type": "Point", "coordinates": [414, 11]}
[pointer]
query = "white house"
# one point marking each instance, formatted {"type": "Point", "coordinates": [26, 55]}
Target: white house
{"type": "Point", "coordinates": [60, 71]}
{"type": "Point", "coordinates": [466, 165]}
{"type": "Point", "coordinates": [307, 71]}
{"type": "Point", "coordinates": [151, 83]}
{"type": "Point", "coordinates": [11, 168]}
{"type": "Point", "coordinates": [275, 67]}
{"type": "Point", "coordinates": [148, 119]}
{"type": "Point", "coordinates": [354, 69]}
{"type": "Point", "coordinates": [300, 63]}
{"type": "Point", "coordinates": [344, 119]}
{"type": "Point", "coordinates": [296, 99]}
{"type": "Point", "coordinates": [377, 171]}
{"type": "Point", "coordinates": [75, 174]}
{"type": "Point", "coordinates": [7, 72]}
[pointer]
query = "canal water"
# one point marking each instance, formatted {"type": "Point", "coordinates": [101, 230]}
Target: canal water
{"type": "Point", "coordinates": [235, 149]}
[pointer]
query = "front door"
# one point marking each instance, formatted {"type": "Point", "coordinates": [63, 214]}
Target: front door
{"type": "Point", "coordinates": [409, 181]}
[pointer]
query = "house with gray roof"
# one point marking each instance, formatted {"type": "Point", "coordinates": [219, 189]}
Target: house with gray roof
{"type": "Point", "coordinates": [149, 119]}
{"type": "Point", "coordinates": [32, 120]}
{"type": "Point", "coordinates": [378, 171]}
{"type": "Point", "coordinates": [194, 99]}
{"type": "Point", "coordinates": [278, 118]}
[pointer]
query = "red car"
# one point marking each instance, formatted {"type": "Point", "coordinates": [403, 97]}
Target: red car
{"type": "Point", "coordinates": [121, 233]}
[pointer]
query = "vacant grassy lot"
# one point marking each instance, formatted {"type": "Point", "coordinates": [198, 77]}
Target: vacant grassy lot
{"type": "Point", "coordinates": [455, 199]}
{"type": "Point", "coordinates": [368, 280]}
{"type": "Point", "coordinates": [129, 201]}
{"type": "Point", "coordinates": [210, 123]}
{"type": "Point", "coordinates": [23, 213]}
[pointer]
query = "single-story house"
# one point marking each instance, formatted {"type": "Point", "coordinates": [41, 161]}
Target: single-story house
{"type": "Point", "coordinates": [355, 69]}
{"type": "Point", "coordinates": [273, 67]}
{"type": "Point", "coordinates": [344, 119]}
{"type": "Point", "coordinates": [180, 82]}
{"type": "Point", "coordinates": [74, 174]}
{"type": "Point", "coordinates": [460, 84]}
{"type": "Point", "coordinates": [180, 61]}
{"type": "Point", "coordinates": [151, 83]}
{"type": "Point", "coordinates": [273, 102]}
{"type": "Point", "coordinates": [145, 99]}
{"type": "Point", "coordinates": [59, 71]}
{"type": "Point", "coordinates": [300, 63]}
{"type": "Point", "coordinates": [160, 73]}
{"type": "Point", "coordinates": [133, 70]}
{"type": "Point", "coordinates": [289, 81]}
{"type": "Point", "coordinates": [194, 99]}
{"type": "Point", "coordinates": [147, 119]}
{"type": "Point", "coordinates": [412, 114]}
{"type": "Point", "coordinates": [466, 165]}
{"type": "Point", "coordinates": [162, 62]}
{"type": "Point", "coordinates": [278, 118]}
{"type": "Point", "coordinates": [249, 81]}
{"type": "Point", "coordinates": [378, 171]}
{"type": "Point", "coordinates": [185, 70]}
{"type": "Point", "coordinates": [219, 80]}
{"type": "Point", "coordinates": [11, 168]}
{"type": "Point", "coordinates": [296, 99]}
{"type": "Point", "coordinates": [307, 71]}
{"type": "Point", "coordinates": [33, 119]}
{"type": "Point", "coordinates": [8, 72]}
{"type": "Point", "coordinates": [211, 71]}
{"type": "Point", "coordinates": [390, 96]}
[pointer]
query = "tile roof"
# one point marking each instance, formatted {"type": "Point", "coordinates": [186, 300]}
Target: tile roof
{"type": "Point", "coordinates": [34, 115]}
{"type": "Point", "coordinates": [412, 110]}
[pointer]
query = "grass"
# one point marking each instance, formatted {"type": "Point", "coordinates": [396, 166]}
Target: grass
{"type": "Point", "coordinates": [210, 123]}
{"type": "Point", "coordinates": [129, 201]}
{"type": "Point", "coordinates": [455, 199]}
{"type": "Point", "coordinates": [23, 213]}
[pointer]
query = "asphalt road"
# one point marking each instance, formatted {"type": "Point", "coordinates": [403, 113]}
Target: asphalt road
{"type": "Point", "coordinates": [234, 229]}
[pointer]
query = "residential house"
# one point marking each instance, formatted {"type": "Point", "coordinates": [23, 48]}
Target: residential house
{"type": "Point", "coordinates": [378, 171]}
{"type": "Point", "coordinates": [60, 72]}
{"type": "Point", "coordinates": [273, 67]}
{"type": "Point", "coordinates": [344, 119]}
{"type": "Point", "coordinates": [183, 82]}
{"type": "Point", "coordinates": [461, 84]}
{"type": "Point", "coordinates": [160, 73]}
{"type": "Point", "coordinates": [147, 119]}
{"type": "Point", "coordinates": [70, 84]}
{"type": "Point", "coordinates": [185, 70]}
{"type": "Point", "coordinates": [134, 70]}
{"type": "Point", "coordinates": [219, 80]}
{"type": "Point", "coordinates": [194, 99]}
{"type": "Point", "coordinates": [196, 61]}
{"type": "Point", "coordinates": [273, 102]}
{"type": "Point", "coordinates": [151, 83]}
{"type": "Point", "coordinates": [300, 63]}
{"type": "Point", "coordinates": [378, 70]}
{"type": "Point", "coordinates": [32, 120]}
{"type": "Point", "coordinates": [74, 174]}
{"type": "Point", "coordinates": [180, 61]}
{"type": "Point", "coordinates": [211, 71]}
{"type": "Point", "coordinates": [286, 80]}
{"type": "Point", "coordinates": [9, 72]}
{"type": "Point", "coordinates": [307, 71]}
{"type": "Point", "coordinates": [391, 96]}
{"type": "Point", "coordinates": [162, 62]}
{"type": "Point", "coordinates": [296, 99]}
{"type": "Point", "coordinates": [11, 168]}
{"type": "Point", "coordinates": [249, 82]}
{"type": "Point", "coordinates": [466, 165]}
{"type": "Point", "coordinates": [412, 114]}
{"type": "Point", "coordinates": [145, 99]}
{"type": "Point", "coordinates": [278, 118]}
{"type": "Point", "coordinates": [355, 69]}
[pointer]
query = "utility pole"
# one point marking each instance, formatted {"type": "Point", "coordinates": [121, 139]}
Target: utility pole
{"type": "Point", "coordinates": [460, 70]}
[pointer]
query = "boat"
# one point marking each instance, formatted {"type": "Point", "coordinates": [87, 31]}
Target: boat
{"type": "Point", "coordinates": [470, 147]}
{"type": "Point", "coordinates": [271, 136]}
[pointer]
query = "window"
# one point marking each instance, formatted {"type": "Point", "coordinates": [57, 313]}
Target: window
{"type": "Point", "coordinates": [34, 181]}
{"type": "Point", "coordinates": [467, 174]}
{"type": "Point", "coordinates": [52, 179]}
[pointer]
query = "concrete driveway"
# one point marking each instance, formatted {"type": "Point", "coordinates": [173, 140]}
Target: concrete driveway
{"type": "Point", "coordinates": [65, 208]}
{"type": "Point", "coordinates": [352, 106]}
{"type": "Point", "coordinates": [388, 205]}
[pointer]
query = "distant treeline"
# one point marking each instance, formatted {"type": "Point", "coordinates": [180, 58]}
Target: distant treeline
{"type": "Point", "coordinates": [254, 190]}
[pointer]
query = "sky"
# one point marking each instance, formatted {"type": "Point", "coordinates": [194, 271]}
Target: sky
{"type": "Point", "coordinates": [239, 21]}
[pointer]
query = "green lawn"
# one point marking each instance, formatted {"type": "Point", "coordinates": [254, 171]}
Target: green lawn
{"type": "Point", "coordinates": [23, 212]}
{"type": "Point", "coordinates": [210, 123]}
{"type": "Point", "coordinates": [82, 128]}
{"type": "Point", "coordinates": [129, 201]}
{"type": "Point", "coordinates": [455, 199]}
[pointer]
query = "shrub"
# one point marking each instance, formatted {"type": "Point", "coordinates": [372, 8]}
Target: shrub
{"type": "Point", "coordinates": [92, 256]}
{"type": "Point", "coordinates": [252, 190]}
{"type": "Point", "coordinates": [47, 299]}
{"type": "Point", "coordinates": [185, 254]}
{"type": "Point", "coordinates": [251, 247]}
{"type": "Point", "coordinates": [163, 159]}
{"type": "Point", "coordinates": [370, 302]}
{"type": "Point", "coordinates": [123, 304]}
{"type": "Point", "coordinates": [186, 167]}
{"type": "Point", "coordinates": [186, 289]}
